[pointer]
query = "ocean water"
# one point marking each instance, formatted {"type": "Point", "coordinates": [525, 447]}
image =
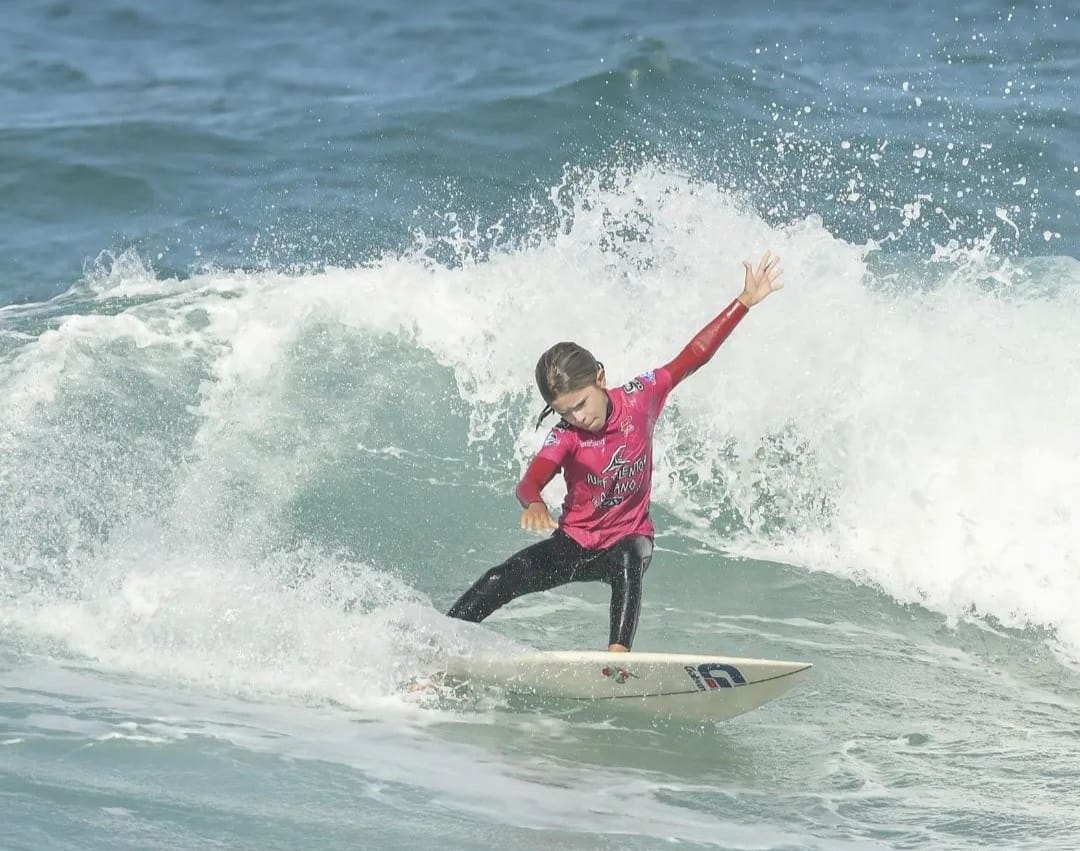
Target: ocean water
{"type": "Point", "coordinates": [273, 279]}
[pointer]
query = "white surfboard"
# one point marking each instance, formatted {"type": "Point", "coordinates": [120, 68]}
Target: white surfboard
{"type": "Point", "coordinates": [706, 688]}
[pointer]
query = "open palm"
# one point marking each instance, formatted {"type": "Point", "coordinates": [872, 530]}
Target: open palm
{"type": "Point", "coordinates": [759, 282]}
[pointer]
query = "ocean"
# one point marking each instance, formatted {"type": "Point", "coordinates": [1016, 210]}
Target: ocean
{"type": "Point", "coordinates": [273, 281]}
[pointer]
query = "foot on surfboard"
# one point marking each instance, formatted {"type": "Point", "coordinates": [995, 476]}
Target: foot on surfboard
{"type": "Point", "coordinates": [426, 684]}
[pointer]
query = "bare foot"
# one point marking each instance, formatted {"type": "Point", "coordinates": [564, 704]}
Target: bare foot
{"type": "Point", "coordinates": [424, 685]}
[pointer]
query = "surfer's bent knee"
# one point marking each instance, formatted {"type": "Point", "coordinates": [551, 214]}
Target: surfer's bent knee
{"type": "Point", "coordinates": [634, 554]}
{"type": "Point", "coordinates": [483, 597]}
{"type": "Point", "coordinates": [492, 582]}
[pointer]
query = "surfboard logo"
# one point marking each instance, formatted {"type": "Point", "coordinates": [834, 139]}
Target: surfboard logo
{"type": "Point", "coordinates": [715, 675]}
{"type": "Point", "coordinates": [620, 675]}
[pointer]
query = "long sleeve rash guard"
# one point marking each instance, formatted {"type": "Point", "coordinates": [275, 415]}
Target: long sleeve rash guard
{"type": "Point", "coordinates": [608, 474]}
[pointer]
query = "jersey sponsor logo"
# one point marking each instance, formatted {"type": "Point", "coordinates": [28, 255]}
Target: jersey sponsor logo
{"type": "Point", "coordinates": [617, 460]}
{"type": "Point", "coordinates": [591, 444]}
{"type": "Point", "coordinates": [715, 675]}
{"type": "Point", "coordinates": [633, 386]}
{"type": "Point", "coordinates": [620, 478]}
{"type": "Point", "coordinates": [622, 467]}
{"type": "Point", "coordinates": [551, 439]}
{"type": "Point", "coordinates": [627, 425]}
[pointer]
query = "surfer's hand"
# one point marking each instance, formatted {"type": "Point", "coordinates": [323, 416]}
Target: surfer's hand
{"type": "Point", "coordinates": [537, 518]}
{"type": "Point", "coordinates": [759, 282]}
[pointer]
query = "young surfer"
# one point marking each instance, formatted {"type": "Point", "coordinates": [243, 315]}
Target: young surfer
{"type": "Point", "coordinates": [603, 445]}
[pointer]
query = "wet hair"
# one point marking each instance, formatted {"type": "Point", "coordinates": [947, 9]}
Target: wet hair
{"type": "Point", "coordinates": [564, 368]}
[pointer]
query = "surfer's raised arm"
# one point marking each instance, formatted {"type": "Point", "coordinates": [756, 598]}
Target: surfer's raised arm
{"type": "Point", "coordinates": [758, 283]}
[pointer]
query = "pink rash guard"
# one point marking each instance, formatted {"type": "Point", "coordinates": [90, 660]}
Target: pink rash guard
{"type": "Point", "coordinates": [609, 473]}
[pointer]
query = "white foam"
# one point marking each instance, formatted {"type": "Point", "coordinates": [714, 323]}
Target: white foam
{"type": "Point", "coordinates": [942, 440]}
{"type": "Point", "coordinates": [298, 626]}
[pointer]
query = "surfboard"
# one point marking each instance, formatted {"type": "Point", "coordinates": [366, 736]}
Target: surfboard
{"type": "Point", "coordinates": [692, 687]}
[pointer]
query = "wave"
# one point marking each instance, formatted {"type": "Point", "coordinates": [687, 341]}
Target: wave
{"type": "Point", "coordinates": [904, 424]}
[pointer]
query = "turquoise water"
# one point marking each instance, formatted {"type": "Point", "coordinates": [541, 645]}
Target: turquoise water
{"type": "Point", "coordinates": [273, 280]}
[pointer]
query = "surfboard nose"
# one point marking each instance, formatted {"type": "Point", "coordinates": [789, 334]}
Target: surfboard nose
{"type": "Point", "coordinates": [787, 669]}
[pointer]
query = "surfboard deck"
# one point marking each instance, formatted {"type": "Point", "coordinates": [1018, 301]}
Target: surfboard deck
{"type": "Point", "coordinates": [694, 687]}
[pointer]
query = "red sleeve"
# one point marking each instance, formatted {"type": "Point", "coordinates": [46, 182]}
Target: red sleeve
{"type": "Point", "coordinates": [540, 472]}
{"type": "Point", "coordinates": [700, 350]}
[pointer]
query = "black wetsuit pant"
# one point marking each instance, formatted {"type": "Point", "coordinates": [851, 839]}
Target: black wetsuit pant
{"type": "Point", "coordinates": [557, 561]}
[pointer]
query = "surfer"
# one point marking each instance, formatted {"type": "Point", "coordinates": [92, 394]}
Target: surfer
{"type": "Point", "coordinates": [603, 445]}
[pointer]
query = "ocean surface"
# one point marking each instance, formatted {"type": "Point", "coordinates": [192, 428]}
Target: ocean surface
{"type": "Point", "coordinates": [273, 280]}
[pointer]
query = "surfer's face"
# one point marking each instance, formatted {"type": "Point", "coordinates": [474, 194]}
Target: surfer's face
{"type": "Point", "coordinates": [585, 408]}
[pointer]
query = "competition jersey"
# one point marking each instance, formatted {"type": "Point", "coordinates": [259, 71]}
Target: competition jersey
{"type": "Point", "coordinates": [609, 473]}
